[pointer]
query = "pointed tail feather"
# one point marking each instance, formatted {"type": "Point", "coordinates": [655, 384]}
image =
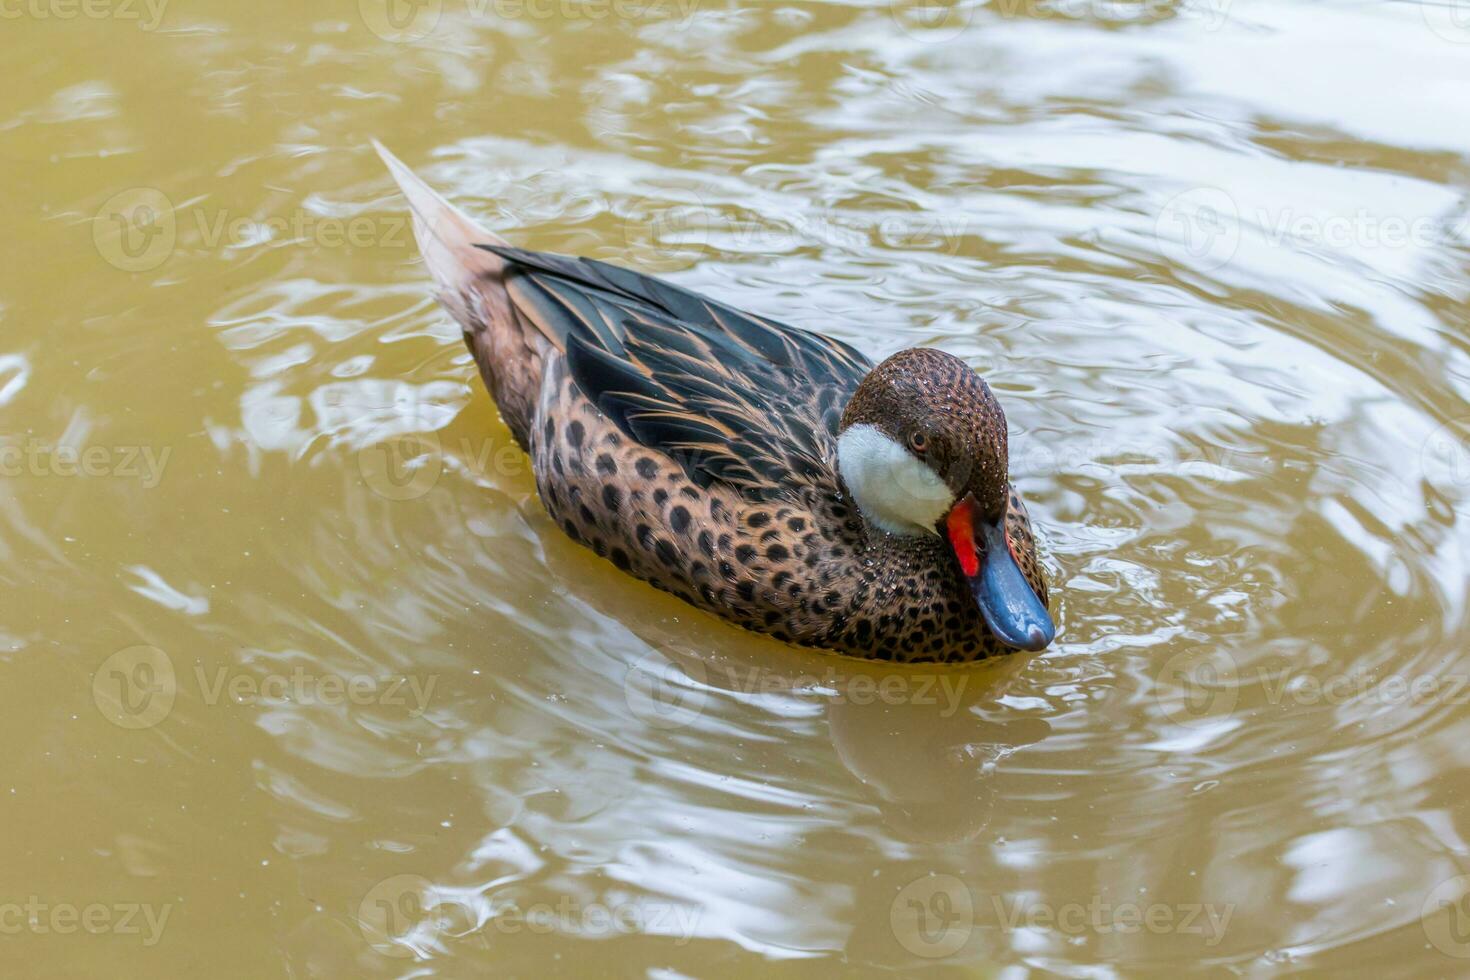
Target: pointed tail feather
{"type": "Point", "coordinates": [471, 286]}
{"type": "Point", "coordinates": [447, 239]}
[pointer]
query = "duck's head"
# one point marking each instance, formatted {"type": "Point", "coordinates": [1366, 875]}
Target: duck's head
{"type": "Point", "coordinates": [922, 449]}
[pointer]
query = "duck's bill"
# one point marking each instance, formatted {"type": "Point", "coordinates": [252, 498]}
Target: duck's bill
{"type": "Point", "coordinates": [1012, 610]}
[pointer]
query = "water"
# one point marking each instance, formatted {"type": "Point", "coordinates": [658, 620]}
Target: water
{"type": "Point", "coordinates": [301, 681]}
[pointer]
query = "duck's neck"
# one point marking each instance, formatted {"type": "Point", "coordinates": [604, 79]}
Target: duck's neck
{"type": "Point", "coordinates": [894, 490]}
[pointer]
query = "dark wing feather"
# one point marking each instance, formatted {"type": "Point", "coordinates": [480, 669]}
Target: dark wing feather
{"type": "Point", "coordinates": [732, 397]}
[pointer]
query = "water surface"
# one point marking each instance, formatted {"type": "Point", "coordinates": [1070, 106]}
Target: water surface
{"type": "Point", "coordinates": [298, 671]}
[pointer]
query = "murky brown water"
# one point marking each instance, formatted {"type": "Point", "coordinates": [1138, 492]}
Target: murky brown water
{"type": "Point", "coordinates": [299, 680]}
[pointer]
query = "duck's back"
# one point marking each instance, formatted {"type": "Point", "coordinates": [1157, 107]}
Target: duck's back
{"type": "Point", "coordinates": [691, 444]}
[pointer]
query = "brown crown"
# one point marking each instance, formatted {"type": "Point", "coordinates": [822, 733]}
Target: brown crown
{"type": "Point", "coordinates": [934, 404]}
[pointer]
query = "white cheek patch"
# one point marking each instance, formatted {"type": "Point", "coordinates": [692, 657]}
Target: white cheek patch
{"type": "Point", "coordinates": [893, 488]}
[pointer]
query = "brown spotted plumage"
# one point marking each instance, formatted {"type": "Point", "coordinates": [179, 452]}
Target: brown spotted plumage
{"type": "Point", "coordinates": [694, 446]}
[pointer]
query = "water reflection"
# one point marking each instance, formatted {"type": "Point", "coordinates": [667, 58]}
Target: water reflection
{"type": "Point", "coordinates": [1225, 309]}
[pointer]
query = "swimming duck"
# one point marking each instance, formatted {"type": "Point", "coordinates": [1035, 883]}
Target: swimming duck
{"type": "Point", "coordinates": [772, 476]}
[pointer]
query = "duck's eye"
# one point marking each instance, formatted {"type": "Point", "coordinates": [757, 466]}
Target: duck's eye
{"type": "Point", "coordinates": [918, 442]}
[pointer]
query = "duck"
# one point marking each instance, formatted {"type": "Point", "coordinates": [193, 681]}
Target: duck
{"type": "Point", "coordinates": [772, 476]}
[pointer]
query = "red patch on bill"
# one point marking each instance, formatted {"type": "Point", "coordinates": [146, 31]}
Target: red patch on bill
{"type": "Point", "coordinates": [961, 526]}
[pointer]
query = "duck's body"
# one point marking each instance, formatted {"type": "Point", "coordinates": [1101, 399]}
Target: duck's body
{"type": "Point", "coordinates": [697, 447]}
